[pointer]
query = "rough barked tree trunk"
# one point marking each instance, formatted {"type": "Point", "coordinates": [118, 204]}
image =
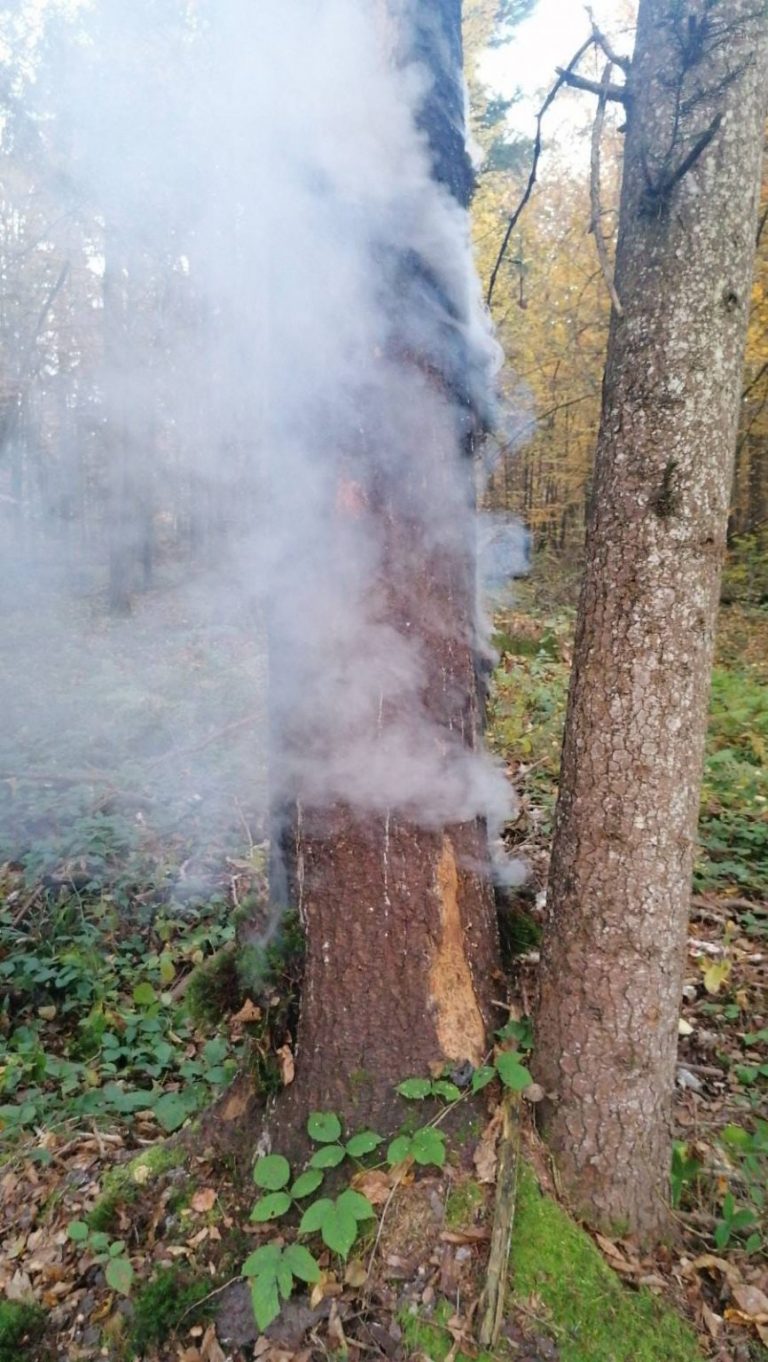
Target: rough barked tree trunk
{"type": "Point", "coordinates": [399, 918]}
{"type": "Point", "coordinates": [626, 819]}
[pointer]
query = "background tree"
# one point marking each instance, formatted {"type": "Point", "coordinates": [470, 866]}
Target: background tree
{"type": "Point", "coordinates": [625, 826]}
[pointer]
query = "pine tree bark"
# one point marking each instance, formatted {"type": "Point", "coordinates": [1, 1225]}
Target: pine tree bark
{"type": "Point", "coordinates": [399, 918]}
{"type": "Point", "coordinates": [626, 819]}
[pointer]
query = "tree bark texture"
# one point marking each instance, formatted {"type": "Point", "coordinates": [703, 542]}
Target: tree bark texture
{"type": "Point", "coordinates": [631, 773]}
{"type": "Point", "coordinates": [399, 918]}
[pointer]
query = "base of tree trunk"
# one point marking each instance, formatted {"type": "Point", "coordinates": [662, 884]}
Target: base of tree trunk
{"type": "Point", "coordinates": [401, 965]}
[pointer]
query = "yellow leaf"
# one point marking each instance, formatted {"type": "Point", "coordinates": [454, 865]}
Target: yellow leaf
{"type": "Point", "coordinates": [716, 974]}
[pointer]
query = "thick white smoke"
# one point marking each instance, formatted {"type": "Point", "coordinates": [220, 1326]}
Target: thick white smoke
{"type": "Point", "coordinates": [268, 160]}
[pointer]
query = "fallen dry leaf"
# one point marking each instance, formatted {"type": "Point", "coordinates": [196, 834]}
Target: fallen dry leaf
{"type": "Point", "coordinates": [752, 1301]}
{"type": "Point", "coordinates": [336, 1336]}
{"type": "Point", "coordinates": [328, 1285]}
{"type": "Point", "coordinates": [287, 1064]}
{"type": "Point", "coordinates": [711, 1260]}
{"type": "Point", "coordinates": [472, 1235]}
{"type": "Point", "coordinates": [249, 1012]}
{"type": "Point", "coordinates": [484, 1157]}
{"type": "Point", "coordinates": [713, 1322]}
{"type": "Point", "coordinates": [204, 1200]}
{"type": "Point", "coordinates": [210, 1348]}
{"type": "Point", "coordinates": [355, 1274]}
{"type": "Point", "coordinates": [375, 1184]}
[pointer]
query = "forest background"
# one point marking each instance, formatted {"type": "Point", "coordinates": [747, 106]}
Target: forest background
{"type": "Point", "coordinates": [132, 815]}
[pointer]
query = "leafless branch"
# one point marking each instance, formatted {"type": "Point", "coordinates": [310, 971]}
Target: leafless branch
{"type": "Point", "coordinates": [593, 87]}
{"type": "Point", "coordinates": [573, 63]}
{"type": "Point", "coordinates": [596, 224]}
{"type": "Point", "coordinates": [624, 64]}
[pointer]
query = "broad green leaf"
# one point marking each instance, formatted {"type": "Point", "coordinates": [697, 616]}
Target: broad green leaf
{"type": "Point", "coordinates": [307, 1182]}
{"type": "Point", "coordinates": [116, 1248]}
{"type": "Point", "coordinates": [447, 1090]}
{"type": "Point", "coordinates": [144, 995]}
{"type": "Point", "coordinates": [172, 1110]}
{"type": "Point", "coordinates": [99, 1241]}
{"type": "Point", "coordinates": [358, 1205]}
{"type": "Point", "coordinates": [324, 1127]}
{"type": "Point", "coordinates": [363, 1143]}
{"type": "Point", "coordinates": [314, 1215]}
{"type": "Point", "coordinates": [272, 1172]}
{"type": "Point", "coordinates": [271, 1207]}
{"type": "Point", "coordinates": [284, 1279]}
{"type": "Point", "coordinates": [119, 1275]}
{"type": "Point", "coordinates": [77, 1231]}
{"type": "Point", "coordinates": [301, 1263]}
{"type": "Point", "coordinates": [339, 1229]}
{"type": "Point", "coordinates": [264, 1259]}
{"type": "Point", "coordinates": [512, 1073]}
{"type": "Point", "coordinates": [265, 1300]}
{"type": "Point", "coordinates": [167, 969]}
{"type": "Point", "coordinates": [428, 1146]}
{"type": "Point", "coordinates": [330, 1156]}
{"type": "Point", "coordinates": [415, 1089]}
{"type": "Point", "coordinates": [399, 1150]}
{"type": "Point", "coordinates": [736, 1137]}
{"type": "Point", "coordinates": [482, 1077]}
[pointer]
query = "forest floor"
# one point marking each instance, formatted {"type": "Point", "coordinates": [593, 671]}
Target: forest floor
{"type": "Point", "coordinates": [122, 868]}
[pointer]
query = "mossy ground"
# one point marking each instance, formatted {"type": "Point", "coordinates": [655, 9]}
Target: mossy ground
{"type": "Point", "coordinates": [21, 1326]}
{"type": "Point", "coordinates": [123, 1184]}
{"type": "Point", "coordinates": [593, 1316]}
{"type": "Point", "coordinates": [560, 1284]}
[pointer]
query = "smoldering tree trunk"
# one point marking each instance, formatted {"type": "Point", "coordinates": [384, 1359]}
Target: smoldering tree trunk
{"type": "Point", "coordinates": [399, 918]}
{"type": "Point", "coordinates": [626, 820]}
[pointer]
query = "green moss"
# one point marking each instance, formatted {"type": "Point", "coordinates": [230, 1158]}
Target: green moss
{"type": "Point", "coordinates": [168, 1299]}
{"type": "Point", "coordinates": [593, 1316]}
{"type": "Point", "coordinates": [214, 990]}
{"type": "Point", "coordinates": [123, 1185]}
{"type": "Point", "coordinates": [464, 1200]}
{"type": "Point", "coordinates": [21, 1327]}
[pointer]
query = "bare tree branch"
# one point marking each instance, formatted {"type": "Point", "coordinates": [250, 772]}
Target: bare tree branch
{"type": "Point", "coordinates": [575, 59]}
{"type": "Point", "coordinates": [593, 87]}
{"type": "Point", "coordinates": [624, 63]}
{"type": "Point", "coordinates": [596, 224]}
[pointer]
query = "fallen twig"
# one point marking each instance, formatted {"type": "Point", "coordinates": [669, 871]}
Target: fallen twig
{"type": "Point", "coordinates": [492, 1299]}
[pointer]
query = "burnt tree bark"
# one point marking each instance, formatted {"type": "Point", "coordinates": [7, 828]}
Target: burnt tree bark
{"type": "Point", "coordinates": [626, 819]}
{"type": "Point", "coordinates": [399, 918]}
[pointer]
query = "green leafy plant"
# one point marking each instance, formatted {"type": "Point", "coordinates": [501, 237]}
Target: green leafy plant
{"type": "Point", "coordinates": [272, 1173]}
{"type": "Point", "coordinates": [417, 1089]}
{"type": "Point", "coordinates": [734, 1221]}
{"type": "Point", "coordinates": [271, 1271]}
{"type": "Point", "coordinates": [337, 1220]}
{"type": "Point", "coordinates": [112, 1255]}
{"type": "Point", "coordinates": [684, 1171]}
{"type": "Point", "coordinates": [424, 1146]}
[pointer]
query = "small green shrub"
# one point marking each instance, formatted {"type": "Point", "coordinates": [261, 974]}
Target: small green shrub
{"type": "Point", "coordinates": [21, 1328]}
{"type": "Point", "coordinates": [169, 1298]}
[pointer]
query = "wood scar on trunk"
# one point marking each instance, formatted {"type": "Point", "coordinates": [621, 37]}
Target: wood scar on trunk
{"type": "Point", "coordinates": [458, 1019]}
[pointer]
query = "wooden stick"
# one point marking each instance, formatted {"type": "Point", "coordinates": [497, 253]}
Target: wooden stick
{"type": "Point", "coordinates": [492, 1299]}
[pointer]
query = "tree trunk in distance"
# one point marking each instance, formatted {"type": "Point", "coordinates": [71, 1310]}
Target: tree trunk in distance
{"type": "Point", "coordinates": [625, 829]}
